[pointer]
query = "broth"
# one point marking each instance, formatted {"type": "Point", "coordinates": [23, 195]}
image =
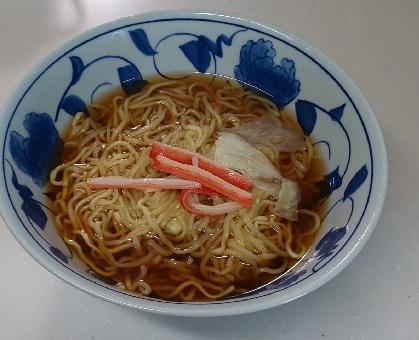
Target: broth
{"type": "Point", "coordinates": [174, 270]}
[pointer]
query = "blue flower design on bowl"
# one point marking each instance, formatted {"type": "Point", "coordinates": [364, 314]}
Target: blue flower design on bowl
{"type": "Point", "coordinates": [258, 68]}
{"type": "Point", "coordinates": [37, 154]}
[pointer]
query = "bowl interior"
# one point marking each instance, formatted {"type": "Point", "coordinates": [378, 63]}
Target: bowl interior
{"type": "Point", "coordinates": [327, 104]}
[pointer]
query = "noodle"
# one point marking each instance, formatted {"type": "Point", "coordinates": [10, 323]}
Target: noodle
{"type": "Point", "coordinates": [144, 240]}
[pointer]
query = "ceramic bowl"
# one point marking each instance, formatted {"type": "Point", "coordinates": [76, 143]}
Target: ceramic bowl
{"type": "Point", "coordinates": [328, 105]}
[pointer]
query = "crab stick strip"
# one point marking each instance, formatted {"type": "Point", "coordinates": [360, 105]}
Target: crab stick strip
{"type": "Point", "coordinates": [188, 198]}
{"type": "Point", "coordinates": [188, 157]}
{"type": "Point", "coordinates": [169, 182]}
{"type": "Point", "coordinates": [206, 178]}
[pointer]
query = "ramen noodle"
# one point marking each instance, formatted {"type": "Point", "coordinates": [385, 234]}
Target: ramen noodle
{"type": "Point", "coordinates": [144, 239]}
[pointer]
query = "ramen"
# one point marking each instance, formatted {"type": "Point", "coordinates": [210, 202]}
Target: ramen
{"type": "Point", "coordinates": [142, 198]}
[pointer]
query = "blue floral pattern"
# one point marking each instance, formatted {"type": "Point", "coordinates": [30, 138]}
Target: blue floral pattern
{"type": "Point", "coordinates": [30, 207]}
{"type": "Point", "coordinates": [259, 62]}
{"type": "Point", "coordinates": [258, 69]}
{"type": "Point", "coordinates": [37, 154]}
{"type": "Point", "coordinates": [199, 49]}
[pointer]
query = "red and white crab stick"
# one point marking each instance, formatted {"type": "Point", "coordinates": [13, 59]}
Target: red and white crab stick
{"type": "Point", "coordinates": [206, 178]}
{"type": "Point", "coordinates": [188, 157]}
{"type": "Point", "coordinates": [194, 174]}
{"type": "Point", "coordinates": [119, 182]}
{"type": "Point", "coordinates": [189, 200]}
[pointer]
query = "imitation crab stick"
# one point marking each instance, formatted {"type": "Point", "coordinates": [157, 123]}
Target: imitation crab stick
{"type": "Point", "coordinates": [206, 178]}
{"type": "Point", "coordinates": [188, 157]}
{"type": "Point", "coordinates": [188, 198]}
{"type": "Point", "coordinates": [169, 182]}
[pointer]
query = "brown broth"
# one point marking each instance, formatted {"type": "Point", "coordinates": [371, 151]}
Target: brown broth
{"type": "Point", "coordinates": [312, 196]}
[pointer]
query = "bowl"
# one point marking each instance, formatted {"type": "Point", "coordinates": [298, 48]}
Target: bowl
{"type": "Point", "coordinates": [126, 52]}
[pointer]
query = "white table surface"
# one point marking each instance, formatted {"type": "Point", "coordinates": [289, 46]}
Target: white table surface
{"type": "Point", "coordinates": [375, 297]}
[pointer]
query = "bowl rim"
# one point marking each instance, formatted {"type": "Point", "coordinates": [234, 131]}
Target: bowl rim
{"type": "Point", "coordinates": [217, 308]}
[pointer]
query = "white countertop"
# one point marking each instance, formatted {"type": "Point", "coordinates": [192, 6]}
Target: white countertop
{"type": "Point", "coordinates": [375, 297]}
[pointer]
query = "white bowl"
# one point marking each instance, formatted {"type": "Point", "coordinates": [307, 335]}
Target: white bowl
{"type": "Point", "coordinates": [329, 106]}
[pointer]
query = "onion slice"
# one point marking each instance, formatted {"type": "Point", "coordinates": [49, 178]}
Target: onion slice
{"type": "Point", "coordinates": [234, 152]}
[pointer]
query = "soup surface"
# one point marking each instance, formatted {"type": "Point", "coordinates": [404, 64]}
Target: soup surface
{"type": "Point", "coordinates": [148, 240]}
